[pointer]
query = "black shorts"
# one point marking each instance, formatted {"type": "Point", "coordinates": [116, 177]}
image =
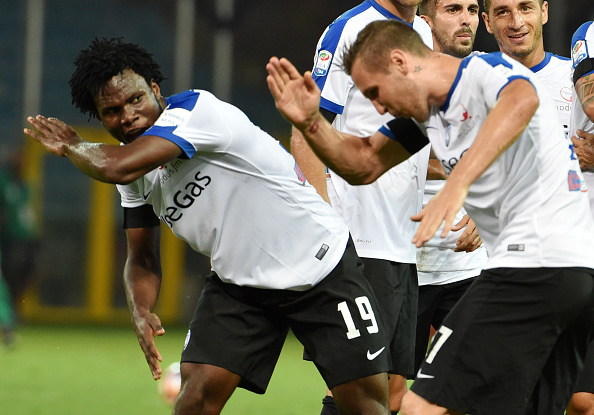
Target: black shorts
{"type": "Point", "coordinates": [514, 344]}
{"type": "Point", "coordinates": [243, 329]}
{"type": "Point", "coordinates": [435, 302]}
{"type": "Point", "coordinates": [586, 380]}
{"type": "Point", "coordinates": [396, 287]}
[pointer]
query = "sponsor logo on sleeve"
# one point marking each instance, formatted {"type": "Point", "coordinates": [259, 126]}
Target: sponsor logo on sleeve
{"type": "Point", "coordinates": [578, 52]}
{"type": "Point", "coordinates": [173, 117]}
{"type": "Point", "coordinates": [323, 61]}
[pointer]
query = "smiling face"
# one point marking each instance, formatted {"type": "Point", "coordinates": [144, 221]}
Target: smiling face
{"type": "Point", "coordinates": [390, 90]}
{"type": "Point", "coordinates": [454, 24]}
{"type": "Point", "coordinates": [127, 106]}
{"type": "Point", "coordinates": [517, 27]}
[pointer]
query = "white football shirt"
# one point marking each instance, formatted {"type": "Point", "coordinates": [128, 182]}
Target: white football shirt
{"type": "Point", "coordinates": [530, 205]}
{"type": "Point", "coordinates": [378, 214]}
{"type": "Point", "coordinates": [237, 196]}
{"type": "Point", "coordinates": [582, 47]}
{"type": "Point", "coordinates": [554, 72]}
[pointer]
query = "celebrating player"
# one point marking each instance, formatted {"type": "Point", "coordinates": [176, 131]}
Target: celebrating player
{"type": "Point", "coordinates": [510, 166]}
{"type": "Point", "coordinates": [378, 214]}
{"type": "Point", "coordinates": [281, 257]}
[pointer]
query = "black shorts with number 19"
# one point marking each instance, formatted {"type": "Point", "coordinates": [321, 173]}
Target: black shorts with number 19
{"type": "Point", "coordinates": [243, 329]}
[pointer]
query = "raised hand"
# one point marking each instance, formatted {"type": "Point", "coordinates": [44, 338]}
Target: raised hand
{"type": "Point", "coordinates": [297, 97]}
{"type": "Point", "coordinates": [53, 134]}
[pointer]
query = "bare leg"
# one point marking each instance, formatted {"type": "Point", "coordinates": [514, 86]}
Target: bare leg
{"type": "Point", "coordinates": [582, 403]}
{"type": "Point", "coordinates": [397, 385]}
{"type": "Point", "coordinates": [367, 396]}
{"type": "Point", "coordinates": [205, 389]}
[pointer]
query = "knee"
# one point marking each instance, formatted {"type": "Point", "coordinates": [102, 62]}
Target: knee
{"type": "Point", "coordinates": [582, 403]}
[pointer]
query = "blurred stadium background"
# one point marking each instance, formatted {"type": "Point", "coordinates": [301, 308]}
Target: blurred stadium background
{"type": "Point", "coordinates": [218, 45]}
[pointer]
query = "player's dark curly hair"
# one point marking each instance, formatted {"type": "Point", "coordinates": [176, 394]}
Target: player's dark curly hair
{"type": "Point", "coordinates": [101, 61]}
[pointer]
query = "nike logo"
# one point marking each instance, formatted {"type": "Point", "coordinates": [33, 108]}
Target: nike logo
{"type": "Point", "coordinates": [422, 375]}
{"type": "Point", "coordinates": [145, 196]}
{"type": "Point", "coordinates": [371, 356]}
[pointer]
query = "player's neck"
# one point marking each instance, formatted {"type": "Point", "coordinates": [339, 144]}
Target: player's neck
{"type": "Point", "coordinates": [532, 59]}
{"type": "Point", "coordinates": [445, 69]}
{"type": "Point", "coordinates": [406, 13]}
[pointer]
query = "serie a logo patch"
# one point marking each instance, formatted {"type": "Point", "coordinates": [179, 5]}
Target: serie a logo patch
{"type": "Point", "coordinates": [323, 63]}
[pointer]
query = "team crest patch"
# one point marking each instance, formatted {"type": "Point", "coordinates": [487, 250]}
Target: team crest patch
{"type": "Point", "coordinates": [579, 52]}
{"type": "Point", "coordinates": [323, 61]}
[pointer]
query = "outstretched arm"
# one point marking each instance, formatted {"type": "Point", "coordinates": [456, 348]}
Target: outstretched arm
{"type": "Point", "coordinates": [499, 131]}
{"type": "Point", "coordinates": [104, 162]}
{"type": "Point", "coordinates": [358, 160]}
{"type": "Point", "coordinates": [142, 281]}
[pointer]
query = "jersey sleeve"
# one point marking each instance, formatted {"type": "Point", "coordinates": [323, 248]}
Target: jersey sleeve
{"type": "Point", "coordinates": [492, 72]}
{"type": "Point", "coordinates": [194, 120]}
{"type": "Point", "coordinates": [582, 51]}
{"type": "Point", "coordinates": [328, 71]}
{"type": "Point", "coordinates": [130, 195]}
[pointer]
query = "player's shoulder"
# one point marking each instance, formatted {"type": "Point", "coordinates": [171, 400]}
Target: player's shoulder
{"type": "Point", "coordinates": [556, 65]}
{"type": "Point", "coordinates": [585, 31]}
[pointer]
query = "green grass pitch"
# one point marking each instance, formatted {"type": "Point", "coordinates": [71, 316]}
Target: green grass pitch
{"type": "Point", "coordinates": [56, 370]}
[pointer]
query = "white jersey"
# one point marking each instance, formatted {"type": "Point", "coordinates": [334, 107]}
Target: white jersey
{"type": "Point", "coordinates": [237, 196]}
{"type": "Point", "coordinates": [582, 47]}
{"type": "Point", "coordinates": [378, 214]}
{"type": "Point", "coordinates": [554, 72]}
{"type": "Point", "coordinates": [530, 205]}
{"type": "Point", "coordinates": [437, 262]}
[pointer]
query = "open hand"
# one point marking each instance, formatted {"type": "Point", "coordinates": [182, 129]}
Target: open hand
{"type": "Point", "coordinates": [470, 239]}
{"type": "Point", "coordinates": [442, 207]}
{"type": "Point", "coordinates": [297, 97]}
{"type": "Point", "coordinates": [53, 134]}
{"type": "Point", "coordinates": [147, 328]}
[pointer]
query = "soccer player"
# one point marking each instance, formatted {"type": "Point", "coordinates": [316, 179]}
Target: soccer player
{"type": "Point", "coordinates": [519, 180]}
{"type": "Point", "coordinates": [378, 214]}
{"type": "Point", "coordinates": [445, 270]}
{"type": "Point", "coordinates": [582, 130]}
{"type": "Point", "coordinates": [281, 257]}
{"type": "Point", "coordinates": [517, 26]}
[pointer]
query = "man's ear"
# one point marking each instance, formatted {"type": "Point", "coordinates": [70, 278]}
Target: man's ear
{"type": "Point", "coordinates": [156, 89]}
{"type": "Point", "coordinates": [545, 11]}
{"type": "Point", "coordinates": [487, 24]}
{"type": "Point", "coordinates": [398, 61]}
{"type": "Point", "coordinates": [428, 20]}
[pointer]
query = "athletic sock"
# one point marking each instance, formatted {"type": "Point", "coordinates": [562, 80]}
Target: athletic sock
{"type": "Point", "coordinates": [329, 406]}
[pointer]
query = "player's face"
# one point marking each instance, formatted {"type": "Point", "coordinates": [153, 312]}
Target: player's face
{"type": "Point", "coordinates": [390, 92]}
{"type": "Point", "coordinates": [517, 27]}
{"type": "Point", "coordinates": [454, 26]}
{"type": "Point", "coordinates": [128, 106]}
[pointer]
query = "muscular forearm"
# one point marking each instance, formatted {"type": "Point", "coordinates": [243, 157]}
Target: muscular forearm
{"type": "Point", "coordinates": [585, 91]}
{"type": "Point", "coordinates": [356, 159]}
{"type": "Point", "coordinates": [142, 290]}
